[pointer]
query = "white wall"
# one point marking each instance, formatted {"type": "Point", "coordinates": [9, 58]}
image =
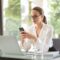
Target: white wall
{"type": "Point", "coordinates": [37, 3]}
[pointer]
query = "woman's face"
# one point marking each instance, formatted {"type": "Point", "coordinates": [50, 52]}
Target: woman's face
{"type": "Point", "coordinates": [36, 17]}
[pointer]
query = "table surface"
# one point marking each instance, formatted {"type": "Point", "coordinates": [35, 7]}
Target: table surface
{"type": "Point", "coordinates": [32, 56]}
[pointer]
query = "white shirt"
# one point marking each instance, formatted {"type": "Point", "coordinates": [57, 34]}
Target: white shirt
{"type": "Point", "coordinates": [44, 41]}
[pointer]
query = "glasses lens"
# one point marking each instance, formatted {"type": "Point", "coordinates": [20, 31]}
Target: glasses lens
{"type": "Point", "coordinates": [35, 16]}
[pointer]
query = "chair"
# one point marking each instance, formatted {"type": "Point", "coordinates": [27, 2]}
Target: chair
{"type": "Point", "coordinates": [56, 45]}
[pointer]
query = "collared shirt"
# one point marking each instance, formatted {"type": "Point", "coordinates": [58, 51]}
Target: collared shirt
{"type": "Point", "coordinates": [44, 40]}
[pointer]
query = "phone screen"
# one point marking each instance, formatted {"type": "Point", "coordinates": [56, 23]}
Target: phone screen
{"type": "Point", "coordinates": [21, 29]}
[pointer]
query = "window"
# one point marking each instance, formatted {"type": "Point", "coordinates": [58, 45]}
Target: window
{"type": "Point", "coordinates": [11, 17]}
{"type": "Point", "coordinates": [16, 13]}
{"type": "Point", "coordinates": [54, 16]}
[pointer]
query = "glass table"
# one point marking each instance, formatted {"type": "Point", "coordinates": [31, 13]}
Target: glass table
{"type": "Point", "coordinates": [30, 56]}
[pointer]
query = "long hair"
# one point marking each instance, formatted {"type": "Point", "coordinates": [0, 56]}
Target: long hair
{"type": "Point", "coordinates": [41, 12]}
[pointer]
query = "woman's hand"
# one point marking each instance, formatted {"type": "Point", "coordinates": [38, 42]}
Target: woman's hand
{"type": "Point", "coordinates": [25, 35]}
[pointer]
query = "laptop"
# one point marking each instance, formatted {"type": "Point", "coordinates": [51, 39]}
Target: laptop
{"type": "Point", "coordinates": [9, 45]}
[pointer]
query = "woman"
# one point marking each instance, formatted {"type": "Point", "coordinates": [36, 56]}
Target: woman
{"type": "Point", "coordinates": [40, 34]}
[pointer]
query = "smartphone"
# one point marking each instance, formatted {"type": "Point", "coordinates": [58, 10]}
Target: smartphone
{"type": "Point", "coordinates": [21, 29]}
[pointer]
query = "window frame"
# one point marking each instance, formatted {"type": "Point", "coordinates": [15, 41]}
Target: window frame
{"type": "Point", "coordinates": [1, 22]}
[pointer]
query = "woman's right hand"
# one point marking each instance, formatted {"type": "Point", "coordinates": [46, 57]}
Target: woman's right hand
{"type": "Point", "coordinates": [25, 42]}
{"type": "Point", "coordinates": [22, 37]}
{"type": "Point", "coordinates": [28, 35]}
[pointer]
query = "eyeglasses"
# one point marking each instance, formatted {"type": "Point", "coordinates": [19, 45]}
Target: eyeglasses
{"type": "Point", "coordinates": [35, 16]}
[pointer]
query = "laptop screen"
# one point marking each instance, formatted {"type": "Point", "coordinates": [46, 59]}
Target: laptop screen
{"type": "Point", "coordinates": [9, 44]}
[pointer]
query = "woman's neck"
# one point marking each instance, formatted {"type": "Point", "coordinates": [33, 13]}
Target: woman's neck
{"type": "Point", "coordinates": [38, 28]}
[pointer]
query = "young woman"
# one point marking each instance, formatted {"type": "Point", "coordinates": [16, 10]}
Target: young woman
{"type": "Point", "coordinates": [40, 34]}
